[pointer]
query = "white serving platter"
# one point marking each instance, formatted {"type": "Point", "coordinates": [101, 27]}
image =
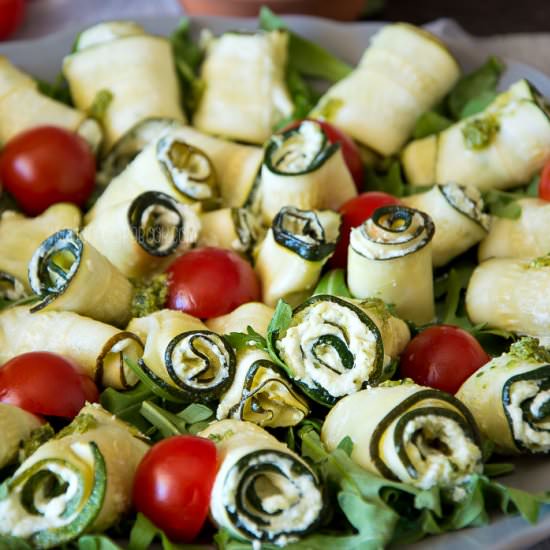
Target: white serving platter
{"type": "Point", "coordinates": [43, 57]}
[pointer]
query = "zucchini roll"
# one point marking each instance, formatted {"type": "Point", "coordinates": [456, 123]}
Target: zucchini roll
{"type": "Point", "coordinates": [69, 274]}
{"type": "Point", "coordinates": [261, 393]}
{"type": "Point", "coordinates": [252, 314]}
{"type": "Point", "coordinates": [403, 73]}
{"type": "Point", "coordinates": [290, 259]}
{"type": "Point", "coordinates": [407, 432]}
{"type": "Point", "coordinates": [457, 213]}
{"type": "Point", "coordinates": [526, 237]}
{"type": "Point", "coordinates": [510, 399]}
{"type": "Point", "coordinates": [303, 169]}
{"type": "Point", "coordinates": [23, 107]}
{"type": "Point", "coordinates": [183, 357]}
{"type": "Point", "coordinates": [100, 349]}
{"type": "Point", "coordinates": [15, 252]}
{"type": "Point", "coordinates": [263, 491]}
{"type": "Point", "coordinates": [11, 288]}
{"type": "Point", "coordinates": [80, 481]}
{"type": "Point", "coordinates": [232, 228]}
{"type": "Point", "coordinates": [168, 165]}
{"type": "Point", "coordinates": [511, 294]}
{"type": "Point", "coordinates": [501, 147]}
{"type": "Point", "coordinates": [16, 426]}
{"type": "Point", "coordinates": [390, 257]}
{"type": "Point", "coordinates": [142, 236]}
{"type": "Point", "coordinates": [135, 68]}
{"type": "Point", "coordinates": [333, 347]}
{"type": "Point", "coordinates": [245, 93]}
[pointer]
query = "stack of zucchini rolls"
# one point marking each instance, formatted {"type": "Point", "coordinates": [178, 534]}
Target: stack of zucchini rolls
{"type": "Point", "coordinates": [180, 170]}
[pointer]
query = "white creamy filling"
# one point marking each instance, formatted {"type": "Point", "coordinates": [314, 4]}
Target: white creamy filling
{"type": "Point", "coordinates": [442, 455]}
{"type": "Point", "coordinates": [12, 290]}
{"type": "Point", "coordinates": [297, 153]}
{"type": "Point", "coordinates": [297, 497]}
{"type": "Point", "coordinates": [536, 441]}
{"type": "Point", "coordinates": [468, 200]}
{"type": "Point", "coordinates": [164, 223]}
{"type": "Point", "coordinates": [296, 349]}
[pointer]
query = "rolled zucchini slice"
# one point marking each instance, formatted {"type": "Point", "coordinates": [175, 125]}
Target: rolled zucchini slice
{"type": "Point", "coordinates": [16, 426]}
{"type": "Point", "coordinates": [143, 236]}
{"type": "Point", "coordinates": [457, 213]}
{"type": "Point", "coordinates": [511, 294]}
{"type": "Point", "coordinates": [252, 314]}
{"type": "Point", "coordinates": [525, 237]}
{"type": "Point", "coordinates": [403, 73]}
{"type": "Point", "coordinates": [23, 107]}
{"type": "Point", "coordinates": [510, 399]}
{"type": "Point", "coordinates": [501, 147]}
{"type": "Point", "coordinates": [98, 348]}
{"type": "Point", "coordinates": [303, 169]}
{"type": "Point", "coordinates": [69, 274]}
{"type": "Point", "coordinates": [290, 259]}
{"type": "Point", "coordinates": [245, 93]}
{"type": "Point", "coordinates": [107, 62]}
{"type": "Point", "coordinates": [263, 491]}
{"type": "Point", "coordinates": [410, 433]}
{"type": "Point", "coordinates": [262, 394]}
{"type": "Point", "coordinates": [390, 257]}
{"type": "Point", "coordinates": [236, 229]}
{"type": "Point", "coordinates": [332, 348]}
{"type": "Point", "coordinates": [15, 252]}
{"type": "Point", "coordinates": [183, 357]}
{"type": "Point", "coordinates": [11, 288]}
{"type": "Point", "coordinates": [78, 482]}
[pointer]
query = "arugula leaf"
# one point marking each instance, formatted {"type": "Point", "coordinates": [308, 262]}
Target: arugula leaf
{"type": "Point", "coordinates": [100, 104]}
{"type": "Point", "coordinates": [478, 103]}
{"type": "Point", "coordinates": [474, 85]}
{"type": "Point", "coordinates": [14, 543]}
{"type": "Point", "coordinates": [304, 56]}
{"type": "Point", "coordinates": [279, 322]}
{"type": "Point", "coordinates": [430, 123]}
{"type": "Point", "coordinates": [333, 283]}
{"type": "Point", "coordinates": [389, 179]}
{"type": "Point", "coordinates": [240, 340]}
{"type": "Point", "coordinates": [6, 304]}
{"type": "Point", "coordinates": [346, 445]}
{"type": "Point", "coordinates": [97, 542]}
{"type": "Point", "coordinates": [58, 90]}
{"type": "Point", "coordinates": [495, 470]}
{"type": "Point", "coordinates": [126, 405]}
{"type": "Point", "coordinates": [503, 204]}
{"type": "Point", "coordinates": [190, 420]}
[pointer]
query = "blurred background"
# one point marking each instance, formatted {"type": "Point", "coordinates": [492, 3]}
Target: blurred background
{"type": "Point", "coordinates": [20, 19]}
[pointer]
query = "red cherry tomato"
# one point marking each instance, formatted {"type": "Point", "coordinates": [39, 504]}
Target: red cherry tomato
{"type": "Point", "coordinates": [442, 357]}
{"type": "Point", "coordinates": [11, 15]}
{"type": "Point", "coordinates": [46, 165]}
{"type": "Point", "coordinates": [46, 383]}
{"type": "Point", "coordinates": [544, 185]}
{"type": "Point", "coordinates": [351, 154]}
{"type": "Point", "coordinates": [173, 484]}
{"type": "Point", "coordinates": [354, 213]}
{"type": "Point", "coordinates": [207, 282]}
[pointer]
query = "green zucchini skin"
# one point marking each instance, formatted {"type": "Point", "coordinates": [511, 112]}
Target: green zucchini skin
{"type": "Point", "coordinates": [11, 288]}
{"type": "Point", "coordinates": [308, 226]}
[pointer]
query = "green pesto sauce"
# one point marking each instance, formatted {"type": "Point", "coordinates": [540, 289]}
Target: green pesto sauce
{"type": "Point", "coordinates": [377, 307]}
{"type": "Point", "coordinates": [100, 104]}
{"type": "Point", "coordinates": [541, 261]}
{"type": "Point", "coordinates": [395, 383]}
{"type": "Point", "coordinates": [328, 110]}
{"type": "Point", "coordinates": [149, 295]}
{"type": "Point", "coordinates": [479, 132]}
{"type": "Point", "coordinates": [218, 438]}
{"type": "Point", "coordinates": [529, 349]}
{"type": "Point", "coordinates": [38, 437]}
{"type": "Point", "coordinates": [80, 425]}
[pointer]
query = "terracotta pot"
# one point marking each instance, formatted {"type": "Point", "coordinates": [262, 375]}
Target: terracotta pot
{"type": "Point", "coordinates": [344, 10]}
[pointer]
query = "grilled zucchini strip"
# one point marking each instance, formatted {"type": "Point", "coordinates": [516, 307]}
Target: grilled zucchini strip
{"type": "Point", "coordinates": [98, 348]}
{"type": "Point", "coordinates": [333, 347]}
{"type": "Point", "coordinates": [80, 481]}
{"type": "Point", "coordinates": [302, 169]}
{"type": "Point", "coordinates": [251, 314]}
{"type": "Point", "coordinates": [69, 274]}
{"type": "Point", "coordinates": [290, 259]}
{"type": "Point", "coordinates": [245, 93]}
{"type": "Point", "coordinates": [15, 252]}
{"type": "Point", "coordinates": [510, 399]}
{"type": "Point", "coordinates": [263, 491]}
{"type": "Point", "coordinates": [511, 294]}
{"type": "Point", "coordinates": [261, 393]}
{"type": "Point", "coordinates": [390, 257]}
{"type": "Point", "coordinates": [403, 73]}
{"type": "Point", "coordinates": [183, 357]}
{"type": "Point", "coordinates": [142, 236]}
{"type": "Point", "coordinates": [136, 68]}
{"type": "Point", "coordinates": [407, 432]}
{"type": "Point", "coordinates": [16, 426]}
{"type": "Point", "coordinates": [232, 228]}
{"type": "Point", "coordinates": [457, 213]}
{"type": "Point", "coordinates": [525, 237]}
{"type": "Point", "coordinates": [23, 107]}
{"type": "Point", "coordinates": [501, 147]}
{"type": "Point", "coordinates": [11, 288]}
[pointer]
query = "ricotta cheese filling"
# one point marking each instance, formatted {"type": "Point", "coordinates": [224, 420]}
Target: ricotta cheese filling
{"type": "Point", "coordinates": [468, 200]}
{"type": "Point", "coordinates": [159, 228]}
{"type": "Point", "coordinates": [11, 288]}
{"type": "Point", "coordinates": [320, 364]}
